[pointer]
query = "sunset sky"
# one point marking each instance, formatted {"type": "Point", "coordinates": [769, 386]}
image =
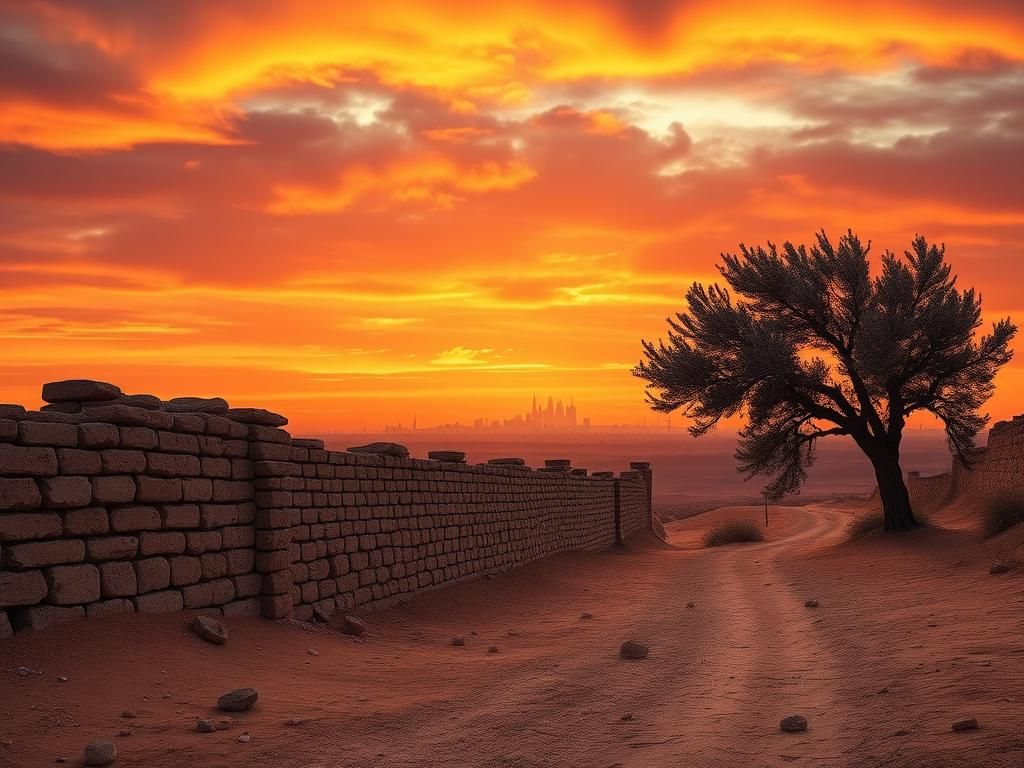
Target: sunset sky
{"type": "Point", "coordinates": [353, 212]}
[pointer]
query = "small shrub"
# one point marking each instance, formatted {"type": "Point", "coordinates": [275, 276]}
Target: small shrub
{"type": "Point", "coordinates": [1001, 512]}
{"type": "Point", "coordinates": [873, 521]}
{"type": "Point", "coordinates": [732, 532]}
{"type": "Point", "coordinates": [864, 524]}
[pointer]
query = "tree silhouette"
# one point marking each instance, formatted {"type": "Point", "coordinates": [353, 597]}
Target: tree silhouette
{"type": "Point", "coordinates": [814, 346]}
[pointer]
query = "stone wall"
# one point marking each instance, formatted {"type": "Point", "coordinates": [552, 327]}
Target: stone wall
{"type": "Point", "coordinates": [114, 504]}
{"type": "Point", "coordinates": [999, 468]}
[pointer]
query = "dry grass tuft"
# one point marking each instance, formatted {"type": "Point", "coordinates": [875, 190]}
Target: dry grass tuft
{"type": "Point", "coordinates": [733, 532]}
{"type": "Point", "coordinates": [873, 521]}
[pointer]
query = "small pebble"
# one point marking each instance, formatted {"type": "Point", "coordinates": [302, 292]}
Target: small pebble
{"type": "Point", "coordinates": [245, 738]}
{"type": "Point", "coordinates": [124, 732]}
{"type": "Point", "coordinates": [585, 616]}
{"type": "Point", "coordinates": [129, 714]}
{"type": "Point", "coordinates": [793, 724]}
{"type": "Point", "coordinates": [810, 604]}
{"type": "Point", "coordinates": [970, 724]}
{"type": "Point", "coordinates": [313, 652]}
{"type": "Point", "coordinates": [493, 649]}
{"type": "Point", "coordinates": [206, 726]}
{"type": "Point", "coordinates": [458, 641]}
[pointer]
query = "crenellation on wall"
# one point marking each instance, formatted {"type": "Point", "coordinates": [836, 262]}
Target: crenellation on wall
{"type": "Point", "coordinates": [114, 503]}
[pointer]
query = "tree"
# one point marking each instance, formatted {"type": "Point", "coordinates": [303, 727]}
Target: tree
{"type": "Point", "coordinates": [814, 346]}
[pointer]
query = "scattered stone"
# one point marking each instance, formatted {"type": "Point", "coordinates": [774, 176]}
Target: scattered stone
{"type": "Point", "coordinates": [24, 671]}
{"type": "Point", "coordinates": [633, 650]}
{"type": "Point", "coordinates": [998, 568]}
{"type": "Point", "coordinates": [883, 690]}
{"type": "Point", "coordinates": [586, 616]}
{"type": "Point", "coordinates": [238, 700]}
{"type": "Point", "coordinates": [206, 726]}
{"type": "Point", "coordinates": [352, 625]}
{"type": "Point", "coordinates": [62, 679]}
{"type": "Point", "coordinates": [455, 457]}
{"type": "Point", "coordinates": [223, 725]}
{"type": "Point", "coordinates": [626, 718]}
{"type": "Point", "coordinates": [124, 732]}
{"type": "Point", "coordinates": [510, 461]}
{"type": "Point", "coordinates": [100, 753]}
{"type": "Point", "coordinates": [793, 724]}
{"type": "Point", "coordinates": [558, 463]}
{"type": "Point", "coordinates": [129, 714]}
{"type": "Point", "coordinates": [970, 724]}
{"type": "Point", "coordinates": [492, 649]}
{"type": "Point", "coordinates": [211, 630]}
{"type": "Point", "coordinates": [79, 391]}
{"type": "Point", "coordinates": [691, 605]}
{"type": "Point", "coordinates": [245, 738]}
{"type": "Point", "coordinates": [458, 641]}
{"type": "Point", "coordinates": [382, 449]}
{"type": "Point", "coordinates": [312, 651]}
{"type": "Point", "coordinates": [810, 604]}
{"type": "Point", "coordinates": [166, 696]}
{"type": "Point", "coordinates": [296, 721]}
{"type": "Point", "coordinates": [513, 633]}
{"type": "Point", "coordinates": [213, 405]}
{"type": "Point", "coordinates": [901, 733]}
{"type": "Point", "coordinates": [61, 760]}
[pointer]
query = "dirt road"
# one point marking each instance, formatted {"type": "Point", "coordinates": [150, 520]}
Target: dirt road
{"type": "Point", "coordinates": [909, 636]}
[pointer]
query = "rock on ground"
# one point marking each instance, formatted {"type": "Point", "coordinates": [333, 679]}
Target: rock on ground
{"type": "Point", "coordinates": [793, 724]}
{"type": "Point", "coordinates": [100, 753]}
{"type": "Point", "coordinates": [633, 650]}
{"type": "Point", "coordinates": [210, 629]}
{"type": "Point", "coordinates": [970, 724]}
{"type": "Point", "coordinates": [206, 726]}
{"type": "Point", "coordinates": [238, 700]}
{"type": "Point", "coordinates": [352, 625]}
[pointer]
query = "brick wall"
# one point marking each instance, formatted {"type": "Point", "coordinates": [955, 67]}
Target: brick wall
{"type": "Point", "coordinates": [1000, 467]}
{"type": "Point", "coordinates": [131, 504]}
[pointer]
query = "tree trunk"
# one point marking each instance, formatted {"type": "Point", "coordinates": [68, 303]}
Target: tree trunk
{"type": "Point", "coordinates": [893, 492]}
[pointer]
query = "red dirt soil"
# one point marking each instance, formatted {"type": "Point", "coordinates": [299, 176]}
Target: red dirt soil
{"type": "Point", "coordinates": [911, 634]}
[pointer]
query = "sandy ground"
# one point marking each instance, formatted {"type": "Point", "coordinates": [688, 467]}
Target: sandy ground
{"type": "Point", "coordinates": [911, 634]}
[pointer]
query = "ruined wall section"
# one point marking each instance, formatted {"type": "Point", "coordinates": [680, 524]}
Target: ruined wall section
{"type": "Point", "coordinates": [113, 503]}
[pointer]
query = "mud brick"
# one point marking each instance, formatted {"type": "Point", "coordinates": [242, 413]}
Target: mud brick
{"type": "Point", "coordinates": [158, 489]}
{"type": "Point", "coordinates": [8, 430]}
{"type": "Point", "coordinates": [41, 617]}
{"type": "Point", "coordinates": [98, 436]}
{"type": "Point", "coordinates": [274, 468]}
{"type": "Point", "coordinates": [43, 433]}
{"type": "Point", "coordinates": [197, 542]}
{"type": "Point", "coordinates": [221, 427]}
{"type": "Point", "coordinates": [172, 464]}
{"type": "Point", "coordinates": [276, 606]}
{"type": "Point", "coordinates": [198, 595]}
{"type": "Point", "coordinates": [276, 560]}
{"type": "Point", "coordinates": [240, 561]}
{"type": "Point", "coordinates": [65, 492]}
{"type": "Point", "coordinates": [189, 422]}
{"type": "Point", "coordinates": [339, 565]}
{"type": "Point", "coordinates": [268, 452]}
{"type": "Point", "coordinates": [18, 494]}
{"type": "Point", "coordinates": [245, 607]}
{"type": "Point", "coordinates": [273, 539]}
{"type": "Point", "coordinates": [25, 526]}
{"type": "Point", "coordinates": [73, 584]}
{"type": "Point", "coordinates": [113, 489]}
{"type": "Point", "coordinates": [214, 565]}
{"type": "Point", "coordinates": [238, 536]}
{"type": "Point", "coordinates": [118, 580]}
{"type": "Point", "coordinates": [74, 461]}
{"type": "Point", "coordinates": [175, 442]}
{"type": "Point", "coordinates": [211, 446]}
{"type": "Point", "coordinates": [112, 548]}
{"type": "Point", "coordinates": [6, 630]}
{"type": "Point", "coordinates": [261, 434]}
{"type": "Point", "coordinates": [128, 416]}
{"type": "Point", "coordinates": [161, 543]}
{"type": "Point", "coordinates": [235, 449]}
{"type": "Point", "coordinates": [140, 438]}
{"type": "Point", "coordinates": [248, 585]}
{"type": "Point", "coordinates": [348, 583]}
{"type": "Point", "coordinates": [87, 521]}
{"type": "Point", "coordinates": [185, 571]}
{"type": "Point", "coordinates": [241, 469]}
{"type": "Point", "coordinates": [40, 553]}
{"type": "Point", "coordinates": [197, 489]}
{"type": "Point", "coordinates": [135, 518]}
{"type": "Point", "coordinates": [223, 591]}
{"type": "Point", "coordinates": [216, 468]}
{"type": "Point", "coordinates": [168, 601]}
{"type": "Point", "coordinates": [180, 515]}
{"type": "Point", "coordinates": [246, 513]}
{"type": "Point", "coordinates": [123, 461]}
{"type": "Point", "coordinates": [19, 460]}
{"type": "Point", "coordinates": [232, 490]}
{"type": "Point", "coordinates": [218, 515]}
{"type": "Point", "coordinates": [104, 608]}
{"type": "Point", "coordinates": [153, 573]}
{"type": "Point", "coordinates": [26, 588]}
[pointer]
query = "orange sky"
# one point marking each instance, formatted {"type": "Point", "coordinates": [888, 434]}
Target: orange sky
{"type": "Point", "coordinates": [351, 212]}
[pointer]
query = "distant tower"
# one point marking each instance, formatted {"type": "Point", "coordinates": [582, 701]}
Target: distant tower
{"type": "Point", "coordinates": [414, 421]}
{"type": "Point", "coordinates": [570, 414]}
{"type": "Point", "coordinates": [549, 416]}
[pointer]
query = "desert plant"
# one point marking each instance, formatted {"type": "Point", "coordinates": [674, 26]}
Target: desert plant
{"type": "Point", "coordinates": [733, 532]}
{"type": "Point", "coordinates": [1001, 512]}
{"type": "Point", "coordinates": [813, 346]}
{"type": "Point", "coordinates": [862, 525]}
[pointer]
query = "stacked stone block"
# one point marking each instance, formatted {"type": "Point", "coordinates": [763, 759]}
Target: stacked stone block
{"type": "Point", "coordinates": [114, 503]}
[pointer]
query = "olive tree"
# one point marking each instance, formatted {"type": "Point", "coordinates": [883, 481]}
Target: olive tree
{"type": "Point", "coordinates": [805, 343]}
